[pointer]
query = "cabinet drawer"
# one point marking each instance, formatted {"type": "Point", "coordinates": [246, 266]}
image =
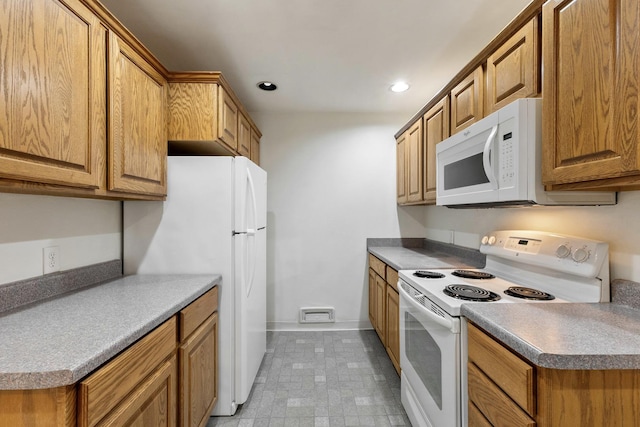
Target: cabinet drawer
{"type": "Point", "coordinates": [377, 265]}
{"type": "Point", "coordinates": [476, 419]}
{"type": "Point", "coordinates": [152, 403]}
{"type": "Point", "coordinates": [512, 374]}
{"type": "Point", "coordinates": [197, 312]}
{"type": "Point", "coordinates": [392, 278]}
{"type": "Point", "coordinates": [493, 403]}
{"type": "Point", "coordinates": [101, 392]}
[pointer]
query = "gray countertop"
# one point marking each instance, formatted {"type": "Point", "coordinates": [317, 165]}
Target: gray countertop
{"type": "Point", "coordinates": [412, 258]}
{"type": "Point", "coordinates": [59, 341]}
{"type": "Point", "coordinates": [564, 335]}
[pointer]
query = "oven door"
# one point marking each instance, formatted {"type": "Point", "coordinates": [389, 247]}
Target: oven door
{"type": "Point", "coordinates": [430, 361]}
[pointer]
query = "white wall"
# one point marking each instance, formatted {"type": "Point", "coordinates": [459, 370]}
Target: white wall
{"type": "Point", "coordinates": [617, 225]}
{"type": "Point", "coordinates": [86, 232]}
{"type": "Point", "coordinates": [331, 185]}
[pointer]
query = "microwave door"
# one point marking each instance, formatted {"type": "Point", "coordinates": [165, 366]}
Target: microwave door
{"type": "Point", "coordinates": [466, 166]}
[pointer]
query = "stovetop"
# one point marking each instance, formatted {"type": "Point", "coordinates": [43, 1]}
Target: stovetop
{"type": "Point", "coordinates": [436, 289]}
{"type": "Point", "coordinates": [561, 268]}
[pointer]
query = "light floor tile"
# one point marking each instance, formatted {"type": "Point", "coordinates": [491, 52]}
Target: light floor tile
{"type": "Point", "coordinates": [322, 379]}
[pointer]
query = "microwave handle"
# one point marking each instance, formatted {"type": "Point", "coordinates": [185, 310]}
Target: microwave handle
{"type": "Point", "coordinates": [486, 158]}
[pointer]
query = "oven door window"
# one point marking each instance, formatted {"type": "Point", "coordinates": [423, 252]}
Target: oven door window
{"type": "Point", "coordinates": [425, 357]}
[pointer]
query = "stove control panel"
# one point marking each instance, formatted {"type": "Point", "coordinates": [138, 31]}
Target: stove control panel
{"type": "Point", "coordinates": [531, 246]}
{"type": "Point", "coordinates": [568, 254]}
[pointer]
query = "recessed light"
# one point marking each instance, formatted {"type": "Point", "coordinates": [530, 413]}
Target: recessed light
{"type": "Point", "coordinates": [399, 87]}
{"type": "Point", "coordinates": [268, 86]}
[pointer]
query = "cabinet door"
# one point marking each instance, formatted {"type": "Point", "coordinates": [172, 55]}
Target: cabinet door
{"type": "Point", "coordinates": [513, 70]}
{"type": "Point", "coordinates": [244, 136]}
{"type": "Point", "coordinates": [393, 327]}
{"type": "Point", "coordinates": [198, 367]}
{"type": "Point", "coordinates": [255, 146]}
{"type": "Point", "coordinates": [590, 85]}
{"type": "Point", "coordinates": [193, 111]}
{"type": "Point", "coordinates": [372, 297]}
{"type": "Point", "coordinates": [414, 162]}
{"type": "Point", "coordinates": [436, 129]}
{"type": "Point", "coordinates": [381, 297]}
{"type": "Point", "coordinates": [137, 124]}
{"type": "Point", "coordinates": [401, 168]}
{"type": "Point", "coordinates": [52, 93]}
{"type": "Point", "coordinates": [227, 119]}
{"type": "Point", "coordinates": [153, 403]}
{"type": "Point", "coordinates": [467, 100]}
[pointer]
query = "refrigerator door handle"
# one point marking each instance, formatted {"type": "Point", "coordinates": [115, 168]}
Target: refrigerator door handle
{"type": "Point", "coordinates": [251, 232]}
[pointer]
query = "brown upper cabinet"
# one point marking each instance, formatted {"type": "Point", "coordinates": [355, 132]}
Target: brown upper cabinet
{"type": "Point", "coordinates": [205, 117]}
{"type": "Point", "coordinates": [53, 119]}
{"type": "Point", "coordinates": [591, 100]}
{"type": "Point", "coordinates": [138, 137]}
{"type": "Point", "coordinates": [401, 168]}
{"type": "Point", "coordinates": [52, 93]}
{"type": "Point", "coordinates": [84, 107]}
{"type": "Point", "coordinates": [255, 145]}
{"type": "Point", "coordinates": [414, 161]}
{"type": "Point", "coordinates": [416, 156]}
{"type": "Point", "coordinates": [244, 136]}
{"type": "Point", "coordinates": [227, 119]}
{"type": "Point", "coordinates": [467, 100]}
{"type": "Point", "coordinates": [513, 70]}
{"type": "Point", "coordinates": [435, 130]}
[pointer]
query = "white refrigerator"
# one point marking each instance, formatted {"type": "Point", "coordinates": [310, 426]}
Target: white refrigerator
{"type": "Point", "coordinates": [213, 221]}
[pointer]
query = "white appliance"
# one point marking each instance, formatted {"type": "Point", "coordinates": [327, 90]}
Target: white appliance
{"type": "Point", "coordinates": [213, 221]}
{"type": "Point", "coordinates": [521, 267]}
{"type": "Point", "coordinates": [498, 162]}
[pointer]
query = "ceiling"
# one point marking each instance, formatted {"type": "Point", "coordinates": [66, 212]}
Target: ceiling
{"type": "Point", "coordinates": [324, 55]}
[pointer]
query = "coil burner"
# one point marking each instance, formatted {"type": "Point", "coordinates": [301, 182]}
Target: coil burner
{"type": "Point", "coordinates": [470, 293]}
{"type": "Point", "coordinates": [428, 274]}
{"type": "Point", "coordinates": [528, 293]}
{"type": "Point", "coordinates": [471, 274]}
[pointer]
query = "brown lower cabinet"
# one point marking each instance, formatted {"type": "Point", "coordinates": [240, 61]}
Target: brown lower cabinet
{"type": "Point", "coordinates": [384, 308]}
{"type": "Point", "coordinates": [506, 390]}
{"type": "Point", "coordinates": [167, 378]}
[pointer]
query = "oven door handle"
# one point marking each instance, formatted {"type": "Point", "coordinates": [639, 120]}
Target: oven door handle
{"type": "Point", "coordinates": [451, 325]}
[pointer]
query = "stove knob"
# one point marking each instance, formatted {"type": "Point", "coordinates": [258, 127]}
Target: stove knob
{"type": "Point", "coordinates": [581, 255]}
{"type": "Point", "coordinates": [484, 240]}
{"type": "Point", "coordinates": [492, 240]}
{"type": "Point", "coordinates": [563, 251]}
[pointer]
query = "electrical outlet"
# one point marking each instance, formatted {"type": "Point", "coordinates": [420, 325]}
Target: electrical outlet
{"type": "Point", "coordinates": [50, 259]}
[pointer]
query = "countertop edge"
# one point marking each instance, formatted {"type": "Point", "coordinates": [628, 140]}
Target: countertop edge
{"type": "Point", "coordinates": [543, 359]}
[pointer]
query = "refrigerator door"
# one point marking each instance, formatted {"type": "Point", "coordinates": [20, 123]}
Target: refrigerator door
{"type": "Point", "coordinates": [250, 274]}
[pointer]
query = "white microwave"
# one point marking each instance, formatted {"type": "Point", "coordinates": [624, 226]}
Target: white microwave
{"type": "Point", "coordinates": [498, 162]}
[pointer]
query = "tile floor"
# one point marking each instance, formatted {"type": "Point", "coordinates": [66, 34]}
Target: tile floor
{"type": "Point", "coordinates": [336, 378]}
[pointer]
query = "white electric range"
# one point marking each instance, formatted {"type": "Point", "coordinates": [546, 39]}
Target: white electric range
{"type": "Point", "coordinates": [522, 267]}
